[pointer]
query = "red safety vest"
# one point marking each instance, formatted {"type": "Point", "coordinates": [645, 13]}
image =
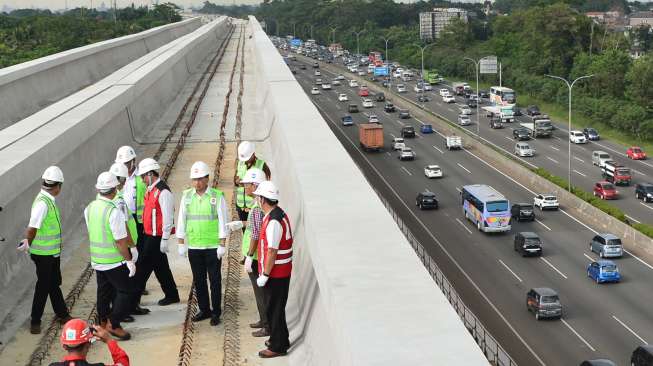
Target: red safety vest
{"type": "Point", "coordinates": [283, 264]}
{"type": "Point", "coordinates": [152, 216]}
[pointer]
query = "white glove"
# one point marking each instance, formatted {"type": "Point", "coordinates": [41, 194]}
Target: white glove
{"type": "Point", "coordinates": [132, 268]}
{"type": "Point", "coordinates": [221, 251]}
{"type": "Point", "coordinates": [248, 264]}
{"type": "Point", "coordinates": [181, 249]}
{"type": "Point", "coordinates": [164, 246]}
{"type": "Point", "coordinates": [24, 246]}
{"type": "Point", "coordinates": [262, 280]}
{"type": "Point", "coordinates": [234, 225]}
{"type": "Point", "coordinates": [134, 252]}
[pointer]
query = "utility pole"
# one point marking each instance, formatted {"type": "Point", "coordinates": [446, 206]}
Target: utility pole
{"type": "Point", "coordinates": [358, 48]}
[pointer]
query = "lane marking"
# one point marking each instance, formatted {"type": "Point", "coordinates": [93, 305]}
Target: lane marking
{"type": "Point", "coordinates": [637, 171]}
{"type": "Point", "coordinates": [579, 159]}
{"type": "Point", "coordinates": [467, 170]}
{"type": "Point", "coordinates": [578, 335]}
{"type": "Point", "coordinates": [541, 223]}
{"type": "Point", "coordinates": [557, 138]}
{"type": "Point", "coordinates": [416, 119]}
{"type": "Point", "coordinates": [508, 138]}
{"type": "Point", "coordinates": [579, 173]}
{"type": "Point", "coordinates": [630, 330]}
{"type": "Point", "coordinates": [406, 170]}
{"type": "Point", "coordinates": [633, 219]}
{"type": "Point", "coordinates": [441, 152]}
{"type": "Point", "coordinates": [393, 135]}
{"type": "Point", "coordinates": [554, 268]}
{"type": "Point", "coordinates": [588, 257]}
{"type": "Point", "coordinates": [459, 190]}
{"type": "Point", "coordinates": [554, 148]}
{"type": "Point", "coordinates": [464, 226]}
{"type": "Point", "coordinates": [553, 160]}
{"type": "Point", "coordinates": [510, 270]}
{"type": "Point", "coordinates": [401, 123]}
{"type": "Point", "coordinates": [645, 205]}
{"type": "Point", "coordinates": [337, 106]}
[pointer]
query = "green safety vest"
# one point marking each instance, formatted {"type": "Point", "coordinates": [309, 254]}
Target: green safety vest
{"type": "Point", "coordinates": [102, 244]}
{"type": "Point", "coordinates": [48, 237]}
{"type": "Point", "coordinates": [141, 188]}
{"type": "Point", "coordinates": [201, 219]}
{"type": "Point", "coordinates": [247, 236]}
{"type": "Point", "coordinates": [243, 200]}
{"type": "Point", "coordinates": [131, 223]}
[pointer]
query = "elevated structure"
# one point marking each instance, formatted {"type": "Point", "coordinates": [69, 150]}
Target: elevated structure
{"type": "Point", "coordinates": [433, 22]}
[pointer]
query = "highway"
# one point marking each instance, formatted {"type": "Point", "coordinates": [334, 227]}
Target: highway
{"type": "Point", "coordinates": [599, 320]}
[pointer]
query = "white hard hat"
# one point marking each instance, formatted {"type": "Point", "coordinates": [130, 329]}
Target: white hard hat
{"type": "Point", "coordinates": [268, 190]}
{"type": "Point", "coordinates": [245, 150]}
{"type": "Point", "coordinates": [199, 170]}
{"type": "Point", "coordinates": [253, 175]}
{"type": "Point", "coordinates": [147, 165]}
{"type": "Point", "coordinates": [53, 174]}
{"type": "Point", "coordinates": [106, 180]}
{"type": "Point", "coordinates": [125, 154]}
{"type": "Point", "coordinates": [119, 170]}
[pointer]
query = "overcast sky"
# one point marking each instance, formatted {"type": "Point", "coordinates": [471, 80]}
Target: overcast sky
{"type": "Point", "coordinates": [60, 4]}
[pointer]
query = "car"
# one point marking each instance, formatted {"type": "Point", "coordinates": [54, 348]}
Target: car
{"type": "Point", "coordinates": [464, 120]}
{"type": "Point", "coordinates": [448, 99]}
{"type": "Point", "coordinates": [363, 91]}
{"type": "Point", "coordinates": [546, 201]}
{"type": "Point", "coordinates": [533, 110]}
{"type": "Point", "coordinates": [516, 111]}
{"type": "Point", "coordinates": [521, 134]}
{"type": "Point", "coordinates": [642, 356]}
{"type": "Point", "coordinates": [302, 67]}
{"type": "Point", "coordinates": [368, 103]}
{"type": "Point", "coordinates": [433, 171]}
{"type": "Point", "coordinates": [335, 82]}
{"type": "Point", "coordinates": [528, 243]}
{"type": "Point", "coordinates": [361, 73]}
{"type": "Point", "coordinates": [483, 94]}
{"type": "Point", "coordinates": [644, 191]}
{"type": "Point", "coordinates": [603, 271]}
{"type": "Point", "coordinates": [524, 149]}
{"type": "Point", "coordinates": [379, 97]}
{"type": "Point", "coordinates": [398, 143]}
{"type": "Point", "coordinates": [577, 137]}
{"type": "Point", "coordinates": [605, 190]}
{"type": "Point", "coordinates": [340, 77]}
{"type": "Point", "coordinates": [600, 157]}
{"type": "Point", "coordinates": [401, 88]}
{"type": "Point", "coordinates": [472, 103]}
{"type": "Point", "coordinates": [353, 83]}
{"type": "Point", "coordinates": [406, 153]}
{"type": "Point", "coordinates": [495, 122]}
{"type": "Point", "coordinates": [607, 245]}
{"type": "Point", "coordinates": [418, 89]}
{"type": "Point", "coordinates": [598, 362]}
{"type": "Point", "coordinates": [318, 81]}
{"type": "Point", "coordinates": [326, 86]}
{"type": "Point", "coordinates": [427, 87]}
{"type": "Point", "coordinates": [317, 73]}
{"type": "Point", "coordinates": [315, 91]}
{"type": "Point", "coordinates": [426, 200]}
{"type": "Point", "coordinates": [422, 98]}
{"type": "Point", "coordinates": [544, 302]}
{"type": "Point", "coordinates": [407, 131]}
{"type": "Point", "coordinates": [426, 128]}
{"type": "Point", "coordinates": [385, 83]}
{"type": "Point", "coordinates": [443, 92]}
{"type": "Point", "coordinates": [347, 120]}
{"type": "Point", "coordinates": [465, 110]}
{"type": "Point", "coordinates": [522, 211]}
{"type": "Point", "coordinates": [404, 113]}
{"type": "Point", "coordinates": [591, 134]}
{"type": "Point", "coordinates": [316, 65]}
{"type": "Point", "coordinates": [373, 118]}
{"type": "Point", "coordinates": [342, 97]}
{"type": "Point", "coordinates": [352, 108]}
{"type": "Point", "coordinates": [389, 107]}
{"type": "Point", "coordinates": [636, 153]}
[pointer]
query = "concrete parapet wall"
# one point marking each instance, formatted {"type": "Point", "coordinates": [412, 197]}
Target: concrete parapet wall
{"type": "Point", "coordinates": [27, 87]}
{"type": "Point", "coordinates": [359, 295]}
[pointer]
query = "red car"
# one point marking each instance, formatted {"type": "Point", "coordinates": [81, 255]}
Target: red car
{"type": "Point", "coordinates": [363, 92]}
{"type": "Point", "coordinates": [605, 190]}
{"type": "Point", "coordinates": [636, 153]}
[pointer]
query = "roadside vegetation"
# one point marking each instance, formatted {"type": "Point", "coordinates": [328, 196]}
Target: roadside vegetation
{"type": "Point", "coordinates": [235, 11]}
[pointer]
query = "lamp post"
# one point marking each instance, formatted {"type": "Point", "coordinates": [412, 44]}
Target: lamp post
{"type": "Point", "coordinates": [387, 60]}
{"type": "Point", "coordinates": [293, 29]}
{"type": "Point", "coordinates": [478, 124]}
{"type": "Point", "coordinates": [358, 48]}
{"type": "Point", "coordinates": [333, 33]}
{"type": "Point", "coordinates": [570, 86]}
{"type": "Point", "coordinates": [423, 49]}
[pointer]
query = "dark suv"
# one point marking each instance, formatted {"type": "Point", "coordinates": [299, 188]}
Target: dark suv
{"type": "Point", "coordinates": [353, 108]}
{"type": "Point", "coordinates": [426, 200]}
{"type": "Point", "coordinates": [404, 113]}
{"type": "Point", "coordinates": [544, 302]}
{"type": "Point", "coordinates": [408, 131]}
{"type": "Point", "coordinates": [379, 97]}
{"type": "Point", "coordinates": [389, 107]}
{"type": "Point", "coordinates": [522, 211]}
{"type": "Point", "coordinates": [521, 134]}
{"type": "Point", "coordinates": [528, 243]}
{"type": "Point", "coordinates": [644, 191]}
{"type": "Point", "coordinates": [642, 356]}
{"type": "Point", "coordinates": [533, 110]}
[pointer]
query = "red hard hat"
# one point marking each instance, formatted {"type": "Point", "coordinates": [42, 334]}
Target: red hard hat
{"type": "Point", "coordinates": [76, 332]}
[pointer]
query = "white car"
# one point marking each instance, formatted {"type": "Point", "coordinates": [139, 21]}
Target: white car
{"type": "Point", "coordinates": [335, 82]}
{"type": "Point", "coordinates": [397, 74]}
{"type": "Point", "coordinates": [418, 89]}
{"type": "Point", "coordinates": [428, 87]}
{"type": "Point", "coordinates": [464, 120]}
{"type": "Point", "coordinates": [465, 110]}
{"type": "Point", "coordinates": [368, 103]}
{"type": "Point", "coordinates": [433, 171]}
{"type": "Point", "coordinates": [318, 73]}
{"type": "Point", "coordinates": [448, 99]}
{"type": "Point", "coordinates": [401, 88]}
{"type": "Point", "coordinates": [315, 90]}
{"type": "Point", "coordinates": [318, 81]}
{"type": "Point", "coordinates": [544, 201]}
{"type": "Point", "coordinates": [326, 86]}
{"type": "Point", "coordinates": [373, 118]}
{"type": "Point", "coordinates": [361, 73]}
{"type": "Point", "coordinates": [524, 149]}
{"type": "Point", "coordinates": [353, 84]}
{"type": "Point", "coordinates": [340, 77]}
{"type": "Point", "coordinates": [406, 153]}
{"type": "Point", "coordinates": [577, 137]}
{"type": "Point", "coordinates": [398, 143]}
{"type": "Point", "coordinates": [342, 97]}
{"type": "Point", "coordinates": [443, 92]}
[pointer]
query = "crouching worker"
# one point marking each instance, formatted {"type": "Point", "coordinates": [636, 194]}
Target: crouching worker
{"type": "Point", "coordinates": [77, 337]}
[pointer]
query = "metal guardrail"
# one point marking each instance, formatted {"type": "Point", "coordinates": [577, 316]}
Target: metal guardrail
{"type": "Point", "coordinates": [490, 347]}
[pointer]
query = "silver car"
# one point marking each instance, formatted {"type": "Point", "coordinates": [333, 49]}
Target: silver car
{"type": "Point", "coordinates": [607, 245]}
{"type": "Point", "coordinates": [524, 149]}
{"type": "Point", "coordinates": [464, 120]}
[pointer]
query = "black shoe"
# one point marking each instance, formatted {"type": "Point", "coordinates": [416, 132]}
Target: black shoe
{"type": "Point", "coordinates": [138, 310]}
{"type": "Point", "coordinates": [201, 316]}
{"type": "Point", "coordinates": [35, 328]}
{"type": "Point", "coordinates": [168, 300]}
{"type": "Point", "coordinates": [215, 320]}
{"type": "Point", "coordinates": [128, 319]}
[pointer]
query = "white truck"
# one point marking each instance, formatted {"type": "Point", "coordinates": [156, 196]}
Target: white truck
{"type": "Point", "coordinates": [539, 127]}
{"type": "Point", "coordinates": [506, 113]}
{"type": "Point", "coordinates": [454, 142]}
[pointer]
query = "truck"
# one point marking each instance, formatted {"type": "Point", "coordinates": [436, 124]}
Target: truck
{"type": "Point", "coordinates": [432, 77]}
{"type": "Point", "coordinates": [506, 113]}
{"type": "Point", "coordinates": [453, 142]}
{"type": "Point", "coordinates": [460, 88]}
{"type": "Point", "coordinates": [371, 136]}
{"type": "Point", "coordinates": [615, 173]}
{"type": "Point", "coordinates": [539, 127]}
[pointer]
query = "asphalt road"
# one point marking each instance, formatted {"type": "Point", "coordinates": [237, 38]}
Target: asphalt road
{"type": "Point", "coordinates": [607, 320]}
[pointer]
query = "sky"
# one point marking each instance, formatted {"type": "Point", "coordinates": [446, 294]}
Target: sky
{"type": "Point", "coordinates": [60, 4]}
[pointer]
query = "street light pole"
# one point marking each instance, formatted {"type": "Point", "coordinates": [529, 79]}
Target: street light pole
{"type": "Point", "coordinates": [293, 29]}
{"type": "Point", "coordinates": [387, 60]}
{"type": "Point", "coordinates": [333, 32]}
{"type": "Point", "coordinates": [570, 86]}
{"type": "Point", "coordinates": [358, 48]}
{"type": "Point", "coordinates": [478, 124]}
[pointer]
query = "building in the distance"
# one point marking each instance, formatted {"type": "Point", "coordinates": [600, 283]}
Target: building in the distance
{"type": "Point", "coordinates": [433, 22]}
{"type": "Point", "coordinates": [641, 18]}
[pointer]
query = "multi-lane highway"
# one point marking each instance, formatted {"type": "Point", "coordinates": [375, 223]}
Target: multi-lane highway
{"type": "Point", "coordinates": [598, 321]}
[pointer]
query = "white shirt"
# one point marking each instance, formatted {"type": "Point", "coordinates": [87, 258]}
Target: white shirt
{"type": "Point", "coordinates": [118, 230]}
{"type": "Point", "coordinates": [122, 206]}
{"type": "Point", "coordinates": [222, 215]}
{"type": "Point", "coordinates": [39, 211]}
{"type": "Point", "coordinates": [167, 203]}
{"type": "Point", "coordinates": [273, 234]}
{"type": "Point", "coordinates": [129, 191]}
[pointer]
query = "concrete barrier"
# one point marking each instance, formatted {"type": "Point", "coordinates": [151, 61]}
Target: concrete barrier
{"type": "Point", "coordinates": [30, 86]}
{"type": "Point", "coordinates": [359, 295]}
{"type": "Point", "coordinates": [82, 140]}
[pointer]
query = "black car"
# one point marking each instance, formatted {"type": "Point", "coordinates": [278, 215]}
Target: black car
{"type": "Point", "coordinates": [533, 110]}
{"type": "Point", "coordinates": [644, 191]}
{"type": "Point", "coordinates": [408, 131]}
{"type": "Point", "coordinates": [389, 107]}
{"type": "Point", "coordinates": [379, 97]}
{"type": "Point", "coordinates": [385, 83]}
{"type": "Point", "coordinates": [522, 211]}
{"type": "Point", "coordinates": [598, 362]}
{"type": "Point", "coordinates": [353, 108]}
{"type": "Point", "coordinates": [483, 94]}
{"type": "Point", "coordinates": [404, 114]}
{"type": "Point", "coordinates": [302, 66]}
{"type": "Point", "coordinates": [517, 111]}
{"type": "Point", "coordinates": [642, 356]}
{"type": "Point", "coordinates": [426, 200]}
{"type": "Point", "coordinates": [521, 134]}
{"type": "Point", "coordinates": [422, 98]}
{"type": "Point", "coordinates": [528, 243]}
{"type": "Point", "coordinates": [591, 134]}
{"type": "Point", "coordinates": [471, 103]}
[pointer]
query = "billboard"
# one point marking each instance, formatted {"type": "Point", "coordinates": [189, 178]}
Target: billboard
{"type": "Point", "coordinates": [296, 42]}
{"type": "Point", "coordinates": [381, 71]}
{"type": "Point", "coordinates": [488, 65]}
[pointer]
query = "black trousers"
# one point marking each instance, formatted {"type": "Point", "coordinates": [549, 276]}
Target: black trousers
{"type": "Point", "coordinates": [48, 282]}
{"type": "Point", "coordinates": [152, 260]}
{"type": "Point", "coordinates": [203, 262]}
{"type": "Point", "coordinates": [258, 295]}
{"type": "Point", "coordinates": [114, 287]}
{"type": "Point", "coordinates": [276, 296]}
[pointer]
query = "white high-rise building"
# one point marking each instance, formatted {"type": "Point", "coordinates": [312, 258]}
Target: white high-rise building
{"type": "Point", "coordinates": [433, 22]}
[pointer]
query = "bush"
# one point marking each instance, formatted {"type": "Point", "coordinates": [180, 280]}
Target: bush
{"type": "Point", "coordinates": [644, 228]}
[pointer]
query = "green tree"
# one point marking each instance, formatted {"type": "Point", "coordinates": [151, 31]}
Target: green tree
{"type": "Point", "coordinates": [640, 80]}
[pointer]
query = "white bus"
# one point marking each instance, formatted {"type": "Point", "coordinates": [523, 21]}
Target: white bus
{"type": "Point", "coordinates": [500, 95]}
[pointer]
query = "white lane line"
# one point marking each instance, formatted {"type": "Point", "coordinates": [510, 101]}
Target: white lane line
{"type": "Point", "coordinates": [645, 205]}
{"type": "Point", "coordinates": [406, 170]}
{"type": "Point", "coordinates": [419, 121]}
{"type": "Point", "coordinates": [510, 270]}
{"type": "Point", "coordinates": [387, 152]}
{"type": "Point", "coordinates": [632, 219]}
{"type": "Point", "coordinates": [464, 226]}
{"type": "Point", "coordinates": [579, 173]}
{"type": "Point", "coordinates": [337, 106]}
{"type": "Point", "coordinates": [541, 223]}
{"type": "Point", "coordinates": [393, 135]}
{"type": "Point", "coordinates": [441, 152]}
{"type": "Point", "coordinates": [579, 159]}
{"type": "Point", "coordinates": [459, 190]}
{"type": "Point", "coordinates": [418, 135]}
{"type": "Point", "coordinates": [554, 148]}
{"type": "Point", "coordinates": [450, 109]}
{"type": "Point", "coordinates": [507, 138]}
{"type": "Point", "coordinates": [578, 335]}
{"type": "Point", "coordinates": [467, 170]}
{"type": "Point", "coordinates": [553, 160]}
{"type": "Point", "coordinates": [630, 330]}
{"type": "Point", "coordinates": [637, 171]}
{"type": "Point", "coordinates": [557, 138]}
{"type": "Point", "coordinates": [554, 268]}
{"type": "Point", "coordinates": [427, 190]}
{"type": "Point", "coordinates": [588, 257]}
{"type": "Point", "coordinates": [401, 123]}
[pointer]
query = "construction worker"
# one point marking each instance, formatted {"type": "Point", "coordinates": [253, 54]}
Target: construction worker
{"type": "Point", "coordinates": [158, 225]}
{"type": "Point", "coordinates": [246, 159]}
{"type": "Point", "coordinates": [134, 194]}
{"type": "Point", "coordinates": [275, 266]}
{"type": "Point", "coordinates": [110, 256]}
{"type": "Point", "coordinates": [201, 232]}
{"type": "Point", "coordinates": [43, 243]}
{"type": "Point", "coordinates": [77, 337]}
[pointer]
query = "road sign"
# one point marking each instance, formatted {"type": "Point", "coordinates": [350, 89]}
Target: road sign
{"type": "Point", "coordinates": [489, 65]}
{"type": "Point", "coordinates": [381, 71]}
{"type": "Point", "coordinates": [296, 42]}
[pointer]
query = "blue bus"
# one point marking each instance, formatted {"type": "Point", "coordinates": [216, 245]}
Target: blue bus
{"type": "Point", "coordinates": [486, 207]}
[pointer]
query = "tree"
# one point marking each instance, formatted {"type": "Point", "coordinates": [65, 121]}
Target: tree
{"type": "Point", "coordinates": [609, 71]}
{"type": "Point", "coordinates": [640, 80]}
